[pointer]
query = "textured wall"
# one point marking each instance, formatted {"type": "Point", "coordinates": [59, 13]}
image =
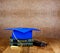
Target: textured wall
{"type": "Point", "coordinates": [42, 14]}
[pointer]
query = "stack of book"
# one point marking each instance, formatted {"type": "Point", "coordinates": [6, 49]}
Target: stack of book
{"type": "Point", "coordinates": [28, 42]}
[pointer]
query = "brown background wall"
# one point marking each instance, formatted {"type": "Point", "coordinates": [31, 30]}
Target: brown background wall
{"type": "Point", "coordinates": [41, 14]}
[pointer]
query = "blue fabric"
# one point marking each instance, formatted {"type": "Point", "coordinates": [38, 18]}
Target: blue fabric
{"type": "Point", "coordinates": [23, 36]}
{"type": "Point", "coordinates": [22, 33]}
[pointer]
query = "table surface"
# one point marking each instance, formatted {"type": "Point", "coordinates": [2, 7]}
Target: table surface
{"type": "Point", "coordinates": [52, 47]}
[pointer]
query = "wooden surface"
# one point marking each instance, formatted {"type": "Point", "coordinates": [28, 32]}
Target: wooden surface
{"type": "Point", "coordinates": [41, 14]}
{"type": "Point", "coordinates": [52, 47]}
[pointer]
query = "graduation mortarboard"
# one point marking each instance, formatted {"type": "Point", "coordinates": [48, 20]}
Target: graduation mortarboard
{"type": "Point", "coordinates": [22, 33]}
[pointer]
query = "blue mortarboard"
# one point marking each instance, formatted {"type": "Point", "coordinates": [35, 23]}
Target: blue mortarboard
{"type": "Point", "coordinates": [22, 33]}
